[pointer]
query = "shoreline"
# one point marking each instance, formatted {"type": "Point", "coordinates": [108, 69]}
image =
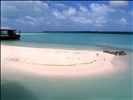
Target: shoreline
{"type": "Point", "coordinates": [57, 62]}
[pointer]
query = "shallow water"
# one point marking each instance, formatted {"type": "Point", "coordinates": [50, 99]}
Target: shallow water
{"type": "Point", "coordinates": [75, 41]}
{"type": "Point", "coordinates": [16, 84]}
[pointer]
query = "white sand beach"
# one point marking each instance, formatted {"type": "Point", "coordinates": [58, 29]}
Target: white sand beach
{"type": "Point", "coordinates": [57, 62]}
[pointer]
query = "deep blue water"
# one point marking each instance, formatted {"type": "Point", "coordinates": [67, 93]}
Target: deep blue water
{"type": "Point", "coordinates": [116, 86]}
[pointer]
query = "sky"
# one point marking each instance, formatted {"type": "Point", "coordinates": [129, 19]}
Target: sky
{"type": "Point", "coordinates": [37, 16]}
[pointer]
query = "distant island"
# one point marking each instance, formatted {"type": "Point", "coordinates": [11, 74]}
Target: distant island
{"type": "Point", "coordinates": [100, 32]}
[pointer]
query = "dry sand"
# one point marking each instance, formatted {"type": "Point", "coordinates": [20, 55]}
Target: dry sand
{"type": "Point", "coordinates": [57, 62]}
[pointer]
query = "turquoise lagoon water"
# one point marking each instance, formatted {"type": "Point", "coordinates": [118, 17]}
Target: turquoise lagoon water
{"type": "Point", "coordinates": [17, 85]}
{"type": "Point", "coordinates": [75, 41]}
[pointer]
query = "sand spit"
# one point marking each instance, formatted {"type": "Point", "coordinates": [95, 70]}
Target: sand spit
{"type": "Point", "coordinates": [57, 62]}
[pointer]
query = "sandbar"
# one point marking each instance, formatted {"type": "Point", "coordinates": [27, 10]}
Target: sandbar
{"type": "Point", "coordinates": [57, 62]}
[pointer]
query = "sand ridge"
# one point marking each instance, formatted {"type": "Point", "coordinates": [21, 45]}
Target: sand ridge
{"type": "Point", "coordinates": [59, 62]}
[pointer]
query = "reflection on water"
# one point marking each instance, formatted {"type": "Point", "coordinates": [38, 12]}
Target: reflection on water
{"type": "Point", "coordinates": [15, 91]}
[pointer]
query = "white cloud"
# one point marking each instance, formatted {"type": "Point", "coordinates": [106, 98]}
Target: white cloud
{"type": "Point", "coordinates": [82, 20]}
{"type": "Point", "coordinates": [59, 5]}
{"type": "Point", "coordinates": [59, 15]}
{"type": "Point", "coordinates": [123, 21]}
{"type": "Point", "coordinates": [53, 15]}
{"type": "Point", "coordinates": [101, 8]}
{"type": "Point", "coordinates": [83, 8]}
{"type": "Point", "coordinates": [71, 11]}
{"type": "Point", "coordinates": [100, 21]}
{"type": "Point", "coordinates": [96, 15]}
{"type": "Point", "coordinates": [16, 9]}
{"type": "Point", "coordinates": [24, 12]}
{"type": "Point", "coordinates": [118, 4]}
{"type": "Point", "coordinates": [31, 19]}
